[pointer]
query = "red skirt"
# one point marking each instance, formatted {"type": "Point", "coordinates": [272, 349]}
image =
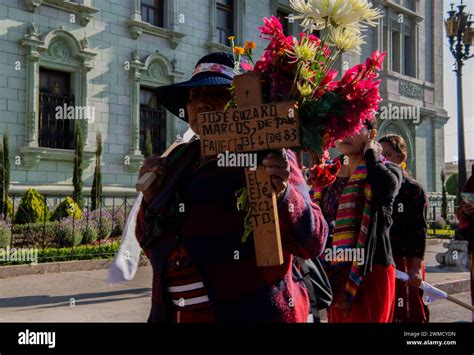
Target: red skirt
{"type": "Point", "coordinates": [409, 306]}
{"type": "Point", "coordinates": [374, 301]}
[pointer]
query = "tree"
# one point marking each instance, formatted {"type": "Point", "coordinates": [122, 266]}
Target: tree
{"type": "Point", "coordinates": [96, 191]}
{"type": "Point", "coordinates": [78, 157]}
{"type": "Point", "coordinates": [452, 185]}
{"type": "Point", "coordinates": [4, 175]}
{"type": "Point", "coordinates": [444, 205]}
{"type": "Point", "coordinates": [148, 144]}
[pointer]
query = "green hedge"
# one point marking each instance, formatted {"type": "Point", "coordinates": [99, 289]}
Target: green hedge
{"type": "Point", "coordinates": [67, 208]}
{"type": "Point", "coordinates": [49, 229]}
{"type": "Point", "coordinates": [70, 234]}
{"type": "Point", "coordinates": [82, 252]}
{"type": "Point", "coordinates": [89, 234]}
{"type": "Point", "coordinates": [5, 234]}
{"type": "Point", "coordinates": [9, 205]}
{"type": "Point", "coordinates": [32, 208]}
{"type": "Point", "coordinates": [452, 184]}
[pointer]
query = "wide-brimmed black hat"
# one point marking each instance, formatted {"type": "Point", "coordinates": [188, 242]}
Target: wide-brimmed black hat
{"type": "Point", "coordinates": [216, 69]}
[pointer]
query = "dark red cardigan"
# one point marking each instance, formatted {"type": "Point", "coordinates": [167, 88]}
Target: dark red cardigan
{"type": "Point", "coordinates": [211, 232]}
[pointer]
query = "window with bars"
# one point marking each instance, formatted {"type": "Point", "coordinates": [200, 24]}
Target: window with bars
{"type": "Point", "coordinates": [396, 50]}
{"type": "Point", "coordinates": [224, 20]}
{"type": "Point", "coordinates": [55, 92]}
{"type": "Point", "coordinates": [153, 120]}
{"type": "Point", "coordinates": [153, 12]}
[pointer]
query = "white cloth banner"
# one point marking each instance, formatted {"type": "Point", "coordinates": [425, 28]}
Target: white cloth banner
{"type": "Point", "coordinates": [126, 261]}
{"type": "Point", "coordinates": [125, 264]}
{"type": "Point", "coordinates": [430, 293]}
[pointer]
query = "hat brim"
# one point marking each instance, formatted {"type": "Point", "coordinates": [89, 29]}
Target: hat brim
{"type": "Point", "coordinates": [175, 97]}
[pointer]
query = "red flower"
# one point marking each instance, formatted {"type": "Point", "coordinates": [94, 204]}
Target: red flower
{"type": "Point", "coordinates": [361, 98]}
{"type": "Point", "coordinates": [375, 60]}
{"type": "Point", "coordinates": [246, 66]}
{"type": "Point", "coordinates": [327, 84]}
{"type": "Point", "coordinates": [323, 175]}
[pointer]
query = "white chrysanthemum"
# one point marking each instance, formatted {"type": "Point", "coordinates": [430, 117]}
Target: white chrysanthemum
{"type": "Point", "coordinates": [361, 16]}
{"type": "Point", "coordinates": [367, 13]}
{"type": "Point", "coordinates": [304, 51]}
{"type": "Point", "coordinates": [305, 89]}
{"type": "Point", "coordinates": [345, 39]}
{"type": "Point", "coordinates": [316, 14]}
{"type": "Point", "coordinates": [306, 73]}
{"type": "Point", "coordinates": [353, 14]}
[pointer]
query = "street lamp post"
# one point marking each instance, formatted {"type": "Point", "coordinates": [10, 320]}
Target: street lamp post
{"type": "Point", "coordinates": [460, 34]}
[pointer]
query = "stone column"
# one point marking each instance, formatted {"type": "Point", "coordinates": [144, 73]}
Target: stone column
{"type": "Point", "coordinates": [32, 97]}
{"type": "Point", "coordinates": [84, 101]}
{"type": "Point", "coordinates": [212, 21]}
{"type": "Point", "coordinates": [135, 112]}
{"type": "Point", "coordinates": [136, 14]}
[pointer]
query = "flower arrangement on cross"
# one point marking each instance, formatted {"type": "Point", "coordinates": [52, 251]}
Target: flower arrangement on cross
{"type": "Point", "coordinates": [301, 68]}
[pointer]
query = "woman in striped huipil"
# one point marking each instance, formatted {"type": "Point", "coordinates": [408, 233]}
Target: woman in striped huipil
{"type": "Point", "coordinates": [358, 208]}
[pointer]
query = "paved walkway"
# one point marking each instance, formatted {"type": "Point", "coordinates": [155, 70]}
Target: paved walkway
{"type": "Point", "coordinates": [47, 298]}
{"type": "Point", "coordinates": [82, 296]}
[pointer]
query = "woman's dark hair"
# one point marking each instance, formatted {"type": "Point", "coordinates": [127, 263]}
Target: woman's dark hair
{"type": "Point", "coordinates": [397, 143]}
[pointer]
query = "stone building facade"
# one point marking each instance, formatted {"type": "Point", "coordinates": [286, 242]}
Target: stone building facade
{"type": "Point", "coordinates": [108, 55]}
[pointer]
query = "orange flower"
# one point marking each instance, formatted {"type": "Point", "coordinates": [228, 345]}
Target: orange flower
{"type": "Point", "coordinates": [250, 45]}
{"type": "Point", "coordinates": [239, 50]}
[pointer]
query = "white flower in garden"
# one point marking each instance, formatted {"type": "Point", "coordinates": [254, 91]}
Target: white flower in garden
{"type": "Point", "coordinates": [345, 39]}
{"type": "Point", "coordinates": [304, 51]}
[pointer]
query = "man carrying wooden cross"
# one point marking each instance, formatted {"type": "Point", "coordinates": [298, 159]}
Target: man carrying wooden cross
{"type": "Point", "coordinates": [191, 230]}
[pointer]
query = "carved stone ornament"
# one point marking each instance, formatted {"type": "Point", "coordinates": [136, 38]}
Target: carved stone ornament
{"type": "Point", "coordinates": [59, 50]}
{"type": "Point", "coordinates": [412, 90]}
{"type": "Point", "coordinates": [84, 42]}
{"type": "Point", "coordinates": [136, 55]}
{"type": "Point", "coordinates": [155, 71]}
{"type": "Point", "coordinates": [32, 30]}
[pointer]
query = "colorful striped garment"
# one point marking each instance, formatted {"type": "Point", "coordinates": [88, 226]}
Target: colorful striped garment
{"type": "Point", "coordinates": [352, 223]}
{"type": "Point", "coordinates": [186, 289]}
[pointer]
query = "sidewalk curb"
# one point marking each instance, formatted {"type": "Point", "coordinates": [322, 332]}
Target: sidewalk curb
{"type": "Point", "coordinates": [56, 267]}
{"type": "Point", "coordinates": [455, 286]}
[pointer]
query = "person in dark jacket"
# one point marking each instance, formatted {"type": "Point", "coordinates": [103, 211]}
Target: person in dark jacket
{"type": "Point", "coordinates": [408, 236]}
{"type": "Point", "coordinates": [358, 208]}
{"type": "Point", "coordinates": [465, 214]}
{"type": "Point", "coordinates": [191, 230]}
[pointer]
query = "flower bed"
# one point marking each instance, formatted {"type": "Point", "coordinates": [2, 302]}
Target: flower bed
{"type": "Point", "coordinates": [82, 252]}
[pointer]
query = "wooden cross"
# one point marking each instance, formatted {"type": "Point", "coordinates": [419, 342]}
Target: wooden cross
{"type": "Point", "coordinates": [254, 126]}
